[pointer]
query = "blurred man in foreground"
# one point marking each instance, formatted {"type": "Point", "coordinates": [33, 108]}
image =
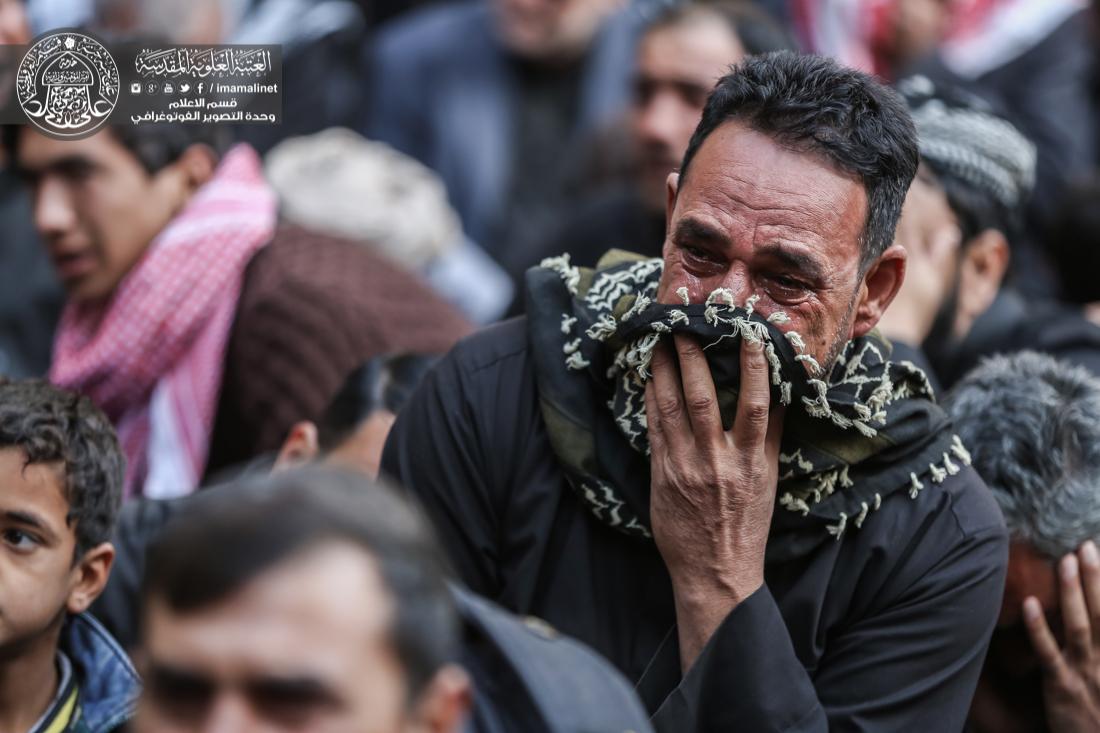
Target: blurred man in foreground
{"type": "Point", "coordinates": [509, 660]}
{"type": "Point", "coordinates": [310, 604]}
{"type": "Point", "coordinates": [1033, 428]}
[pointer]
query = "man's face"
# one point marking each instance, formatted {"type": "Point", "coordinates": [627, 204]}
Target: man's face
{"type": "Point", "coordinates": [677, 68]}
{"type": "Point", "coordinates": [95, 207]}
{"type": "Point", "coordinates": [549, 30]}
{"type": "Point", "coordinates": [14, 27]}
{"type": "Point", "coordinates": [1029, 574]}
{"type": "Point", "coordinates": [302, 647]}
{"type": "Point", "coordinates": [759, 219]}
{"type": "Point", "coordinates": [37, 547]}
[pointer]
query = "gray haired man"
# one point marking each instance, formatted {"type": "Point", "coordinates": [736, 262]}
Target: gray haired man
{"type": "Point", "coordinates": [1032, 425]}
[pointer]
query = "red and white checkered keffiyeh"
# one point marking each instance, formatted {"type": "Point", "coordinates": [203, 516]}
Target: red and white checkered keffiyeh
{"type": "Point", "coordinates": [163, 333]}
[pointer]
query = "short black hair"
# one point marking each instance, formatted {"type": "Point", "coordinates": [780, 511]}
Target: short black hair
{"type": "Point", "coordinates": [52, 425]}
{"type": "Point", "coordinates": [228, 536]}
{"type": "Point", "coordinates": [757, 31]}
{"type": "Point", "coordinates": [384, 382]}
{"type": "Point", "coordinates": [154, 145]}
{"type": "Point", "coordinates": [813, 104]}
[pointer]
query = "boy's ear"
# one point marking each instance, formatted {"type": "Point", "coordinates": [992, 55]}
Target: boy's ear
{"type": "Point", "coordinates": [90, 577]}
{"type": "Point", "coordinates": [300, 447]}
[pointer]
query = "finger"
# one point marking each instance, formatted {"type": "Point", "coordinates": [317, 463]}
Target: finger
{"type": "Point", "coordinates": [1090, 575]}
{"type": "Point", "coordinates": [1042, 640]}
{"type": "Point", "coordinates": [666, 407]}
{"type": "Point", "coordinates": [653, 425]}
{"type": "Point", "coordinates": [1075, 616]}
{"type": "Point", "coordinates": [700, 397]}
{"type": "Point", "coordinates": [774, 438]}
{"type": "Point", "coordinates": [750, 425]}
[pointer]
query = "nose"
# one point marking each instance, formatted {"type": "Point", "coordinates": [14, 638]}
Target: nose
{"type": "Point", "coordinates": [54, 211]}
{"type": "Point", "coordinates": [657, 121]}
{"type": "Point", "coordinates": [738, 282]}
{"type": "Point", "coordinates": [231, 712]}
{"type": "Point", "coordinates": [735, 278]}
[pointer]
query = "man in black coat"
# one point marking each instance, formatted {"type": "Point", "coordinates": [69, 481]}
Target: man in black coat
{"type": "Point", "coordinates": [707, 466]}
{"type": "Point", "coordinates": [962, 218]}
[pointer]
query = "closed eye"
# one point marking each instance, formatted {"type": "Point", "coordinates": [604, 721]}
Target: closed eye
{"type": "Point", "coordinates": [701, 262]}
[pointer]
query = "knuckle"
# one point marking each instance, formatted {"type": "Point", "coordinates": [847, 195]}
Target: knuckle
{"type": "Point", "coordinates": [668, 409]}
{"type": "Point", "coordinates": [755, 362]}
{"type": "Point", "coordinates": [689, 348]}
{"type": "Point", "coordinates": [756, 412]}
{"type": "Point", "coordinates": [700, 404]}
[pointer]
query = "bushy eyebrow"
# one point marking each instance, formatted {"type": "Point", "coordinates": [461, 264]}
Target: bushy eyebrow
{"type": "Point", "coordinates": [799, 262]}
{"type": "Point", "coordinates": [30, 520]}
{"type": "Point", "coordinates": [695, 230]}
{"type": "Point", "coordinates": [68, 165]}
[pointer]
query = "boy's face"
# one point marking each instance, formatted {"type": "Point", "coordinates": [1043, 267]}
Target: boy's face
{"type": "Point", "coordinates": [38, 580]}
{"type": "Point", "coordinates": [95, 207]}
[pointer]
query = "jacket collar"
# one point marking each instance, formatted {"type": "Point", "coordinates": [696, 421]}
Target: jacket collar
{"type": "Point", "coordinates": [109, 685]}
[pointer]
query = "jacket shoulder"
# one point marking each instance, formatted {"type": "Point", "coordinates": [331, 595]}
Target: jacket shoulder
{"type": "Point", "coordinates": [501, 345]}
{"type": "Point", "coordinates": [569, 686]}
{"type": "Point", "coordinates": [109, 684]}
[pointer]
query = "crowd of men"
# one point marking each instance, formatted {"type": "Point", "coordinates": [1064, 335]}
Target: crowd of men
{"type": "Point", "coordinates": [565, 366]}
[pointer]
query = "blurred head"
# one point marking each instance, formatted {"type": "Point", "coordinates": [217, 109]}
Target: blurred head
{"type": "Point", "coordinates": [1032, 426]}
{"type": "Point", "coordinates": [681, 55]}
{"type": "Point", "coordinates": [60, 490]}
{"type": "Point", "coordinates": [977, 172]}
{"type": "Point", "coordinates": [14, 24]}
{"type": "Point", "coordinates": [100, 201]}
{"type": "Point", "coordinates": [310, 601]}
{"type": "Point", "coordinates": [790, 190]}
{"type": "Point", "coordinates": [551, 31]}
{"type": "Point", "coordinates": [354, 427]}
{"type": "Point", "coordinates": [197, 22]}
{"type": "Point", "coordinates": [912, 30]}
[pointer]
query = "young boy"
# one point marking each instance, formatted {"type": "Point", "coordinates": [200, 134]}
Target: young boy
{"type": "Point", "coordinates": [60, 489]}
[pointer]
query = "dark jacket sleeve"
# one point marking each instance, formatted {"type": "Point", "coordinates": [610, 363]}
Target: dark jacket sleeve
{"type": "Point", "coordinates": [911, 663]}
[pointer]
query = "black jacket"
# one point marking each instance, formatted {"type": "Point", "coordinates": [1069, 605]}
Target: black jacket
{"type": "Point", "coordinates": [885, 629]}
{"type": "Point", "coordinates": [1013, 324]}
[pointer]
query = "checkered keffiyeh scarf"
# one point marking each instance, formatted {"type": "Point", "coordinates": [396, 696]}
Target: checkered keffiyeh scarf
{"type": "Point", "coordinates": [866, 428]}
{"type": "Point", "coordinates": [166, 327]}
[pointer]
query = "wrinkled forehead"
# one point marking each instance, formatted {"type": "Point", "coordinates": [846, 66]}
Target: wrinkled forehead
{"type": "Point", "coordinates": [747, 178]}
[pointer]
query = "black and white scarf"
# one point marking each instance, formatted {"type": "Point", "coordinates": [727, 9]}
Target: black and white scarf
{"type": "Point", "coordinates": [868, 428]}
